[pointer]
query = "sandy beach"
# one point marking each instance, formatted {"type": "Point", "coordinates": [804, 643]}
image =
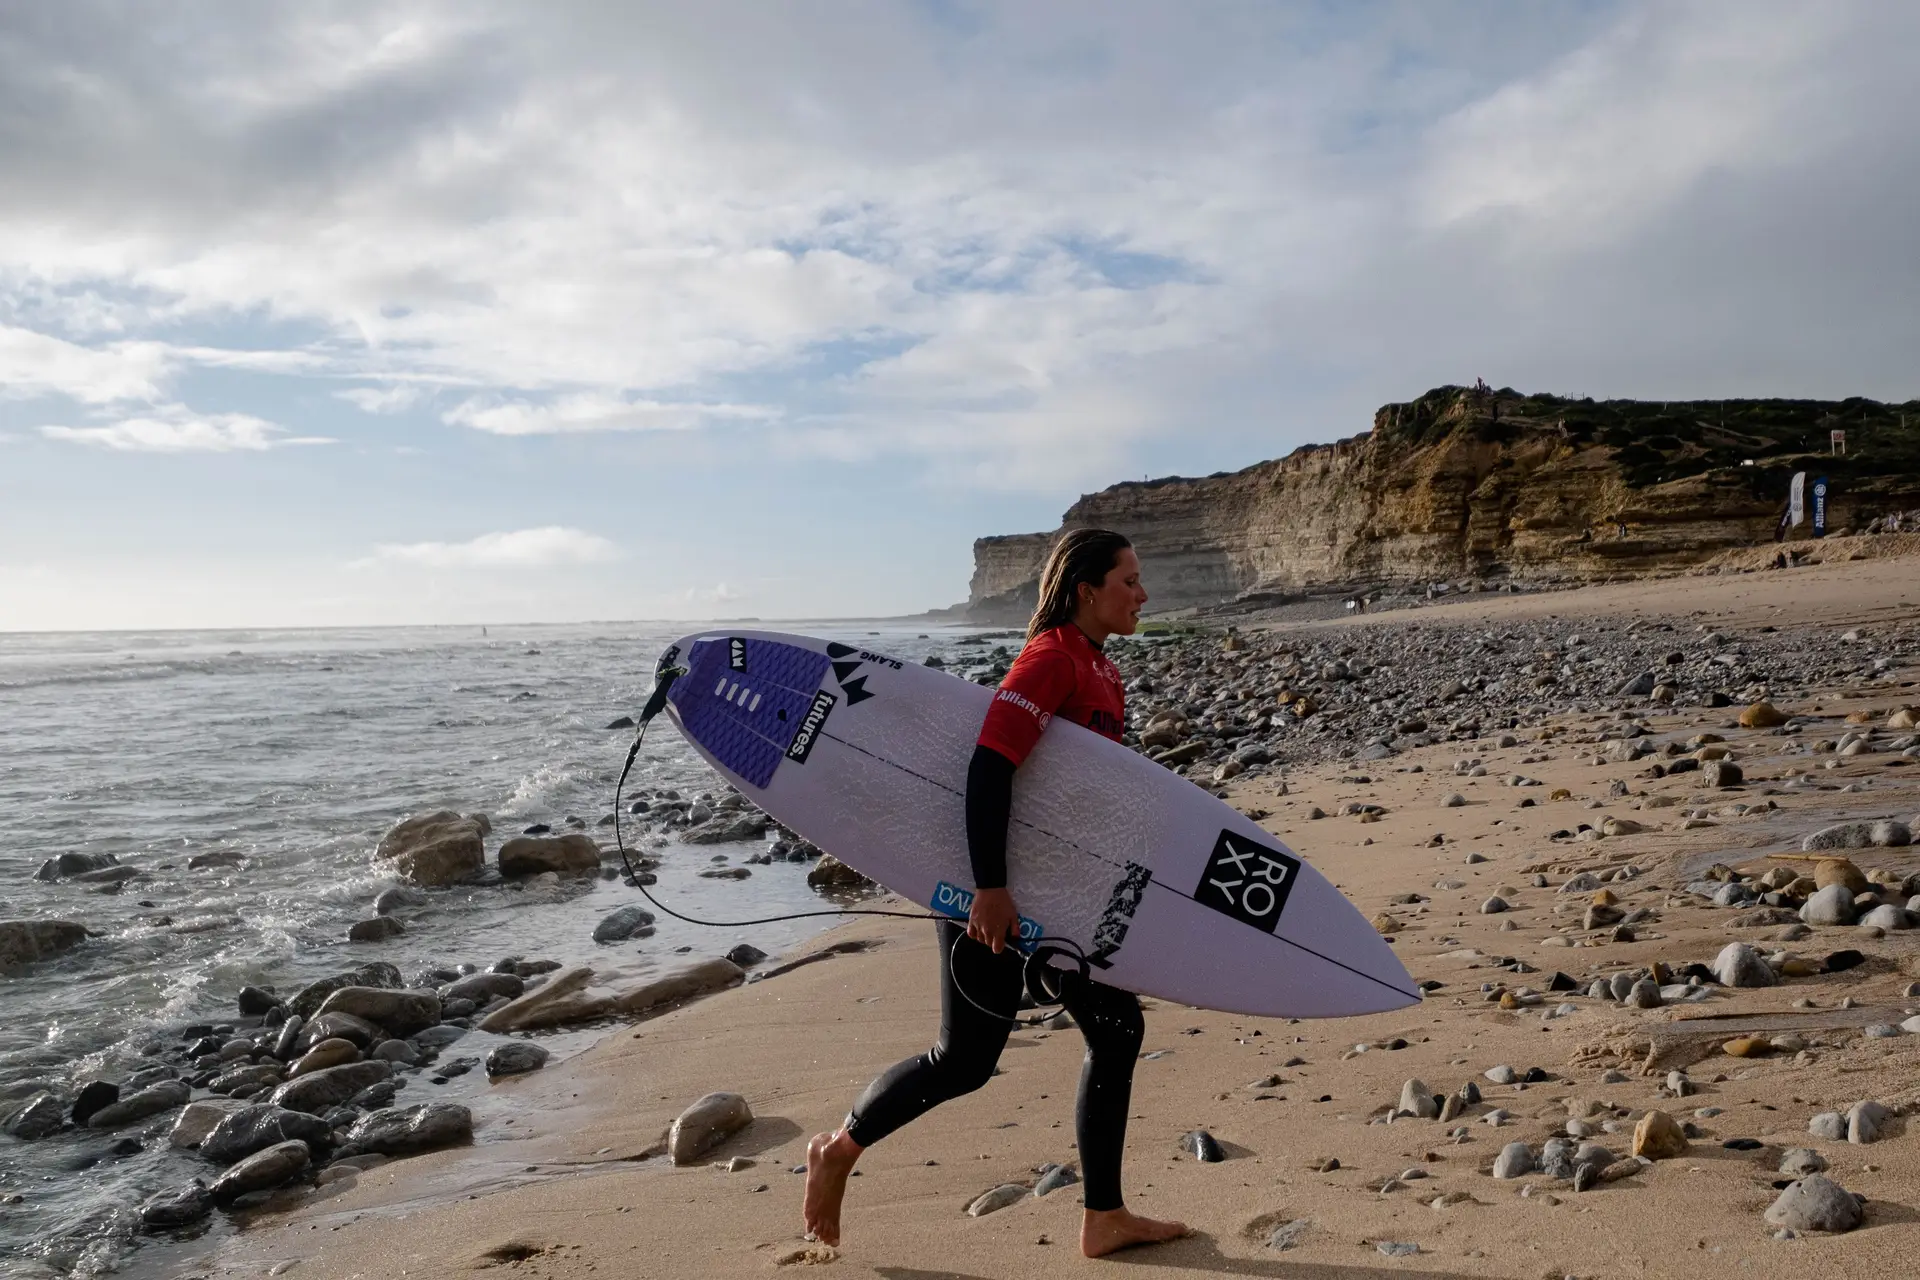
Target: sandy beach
{"type": "Point", "coordinates": [576, 1186]}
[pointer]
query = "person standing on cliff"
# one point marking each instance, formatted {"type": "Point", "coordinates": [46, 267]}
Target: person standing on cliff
{"type": "Point", "coordinates": [1089, 590]}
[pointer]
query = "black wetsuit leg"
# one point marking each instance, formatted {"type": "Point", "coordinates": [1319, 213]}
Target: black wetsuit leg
{"type": "Point", "coordinates": [1113, 1027]}
{"type": "Point", "coordinates": [969, 1046]}
{"type": "Point", "coordinates": [971, 1038]}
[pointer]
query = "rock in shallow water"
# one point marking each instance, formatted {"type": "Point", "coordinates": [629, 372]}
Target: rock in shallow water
{"type": "Point", "coordinates": [482, 987]}
{"type": "Point", "coordinates": [22, 942]}
{"type": "Point", "coordinates": [516, 1057]}
{"type": "Point", "coordinates": [328, 1088]}
{"type": "Point", "coordinates": [240, 1133]}
{"type": "Point", "coordinates": [177, 1208]}
{"type": "Point", "coordinates": [406, 1131]}
{"type": "Point", "coordinates": [197, 1120]}
{"type": "Point", "coordinates": [399, 1012]}
{"type": "Point", "coordinates": [618, 926]}
{"type": "Point", "coordinates": [41, 1116]}
{"type": "Point", "coordinates": [150, 1101]}
{"type": "Point", "coordinates": [74, 864]}
{"type": "Point", "coordinates": [436, 848]}
{"type": "Point", "coordinates": [327, 1053]}
{"type": "Point", "coordinates": [306, 1002]}
{"type": "Point", "coordinates": [568, 855]}
{"type": "Point", "coordinates": [262, 1171]}
{"type": "Point", "coordinates": [707, 1123]}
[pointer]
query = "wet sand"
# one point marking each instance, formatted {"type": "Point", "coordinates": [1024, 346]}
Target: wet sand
{"type": "Point", "coordinates": [564, 1190]}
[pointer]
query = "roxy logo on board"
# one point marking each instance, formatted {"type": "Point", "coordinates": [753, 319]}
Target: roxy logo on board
{"type": "Point", "coordinates": [1247, 880]}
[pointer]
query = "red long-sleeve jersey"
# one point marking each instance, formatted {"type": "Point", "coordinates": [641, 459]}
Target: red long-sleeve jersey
{"type": "Point", "coordinates": [1059, 673]}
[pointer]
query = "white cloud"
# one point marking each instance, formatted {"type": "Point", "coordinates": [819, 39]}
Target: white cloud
{"type": "Point", "coordinates": [394, 398]}
{"type": "Point", "coordinates": [1025, 245]}
{"type": "Point", "coordinates": [1619, 127]}
{"type": "Point", "coordinates": [718, 593]}
{"type": "Point", "coordinates": [589, 411]}
{"type": "Point", "coordinates": [178, 429]}
{"type": "Point", "coordinates": [34, 364]}
{"type": "Point", "coordinates": [519, 548]}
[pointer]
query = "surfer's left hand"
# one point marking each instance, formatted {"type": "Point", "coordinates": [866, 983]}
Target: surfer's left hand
{"type": "Point", "coordinates": [992, 918]}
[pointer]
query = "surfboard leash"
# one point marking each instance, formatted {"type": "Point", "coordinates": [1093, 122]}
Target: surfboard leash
{"type": "Point", "coordinates": [1034, 979]}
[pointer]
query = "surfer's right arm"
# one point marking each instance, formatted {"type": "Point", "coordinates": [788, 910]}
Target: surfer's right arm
{"type": "Point", "coordinates": [1041, 680]}
{"type": "Point", "coordinates": [989, 808]}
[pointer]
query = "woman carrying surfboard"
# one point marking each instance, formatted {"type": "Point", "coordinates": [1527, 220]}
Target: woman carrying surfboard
{"type": "Point", "coordinates": [1089, 590]}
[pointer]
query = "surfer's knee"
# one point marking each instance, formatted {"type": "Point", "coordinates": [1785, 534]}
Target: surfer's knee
{"type": "Point", "coordinates": [1116, 1031]}
{"type": "Point", "coordinates": [966, 1077]}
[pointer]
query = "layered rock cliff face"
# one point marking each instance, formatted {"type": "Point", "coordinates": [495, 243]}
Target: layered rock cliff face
{"type": "Point", "coordinates": [1489, 486]}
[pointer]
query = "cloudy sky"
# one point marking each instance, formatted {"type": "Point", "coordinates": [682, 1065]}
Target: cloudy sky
{"type": "Point", "coordinates": [459, 312]}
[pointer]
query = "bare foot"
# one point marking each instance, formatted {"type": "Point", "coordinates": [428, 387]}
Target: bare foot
{"type": "Point", "coordinates": [1110, 1230]}
{"type": "Point", "coordinates": [830, 1158]}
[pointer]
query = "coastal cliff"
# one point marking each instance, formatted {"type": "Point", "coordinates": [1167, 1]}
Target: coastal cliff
{"type": "Point", "coordinates": [1483, 486]}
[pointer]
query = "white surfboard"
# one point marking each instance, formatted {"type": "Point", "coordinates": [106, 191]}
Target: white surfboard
{"type": "Point", "coordinates": [1168, 891]}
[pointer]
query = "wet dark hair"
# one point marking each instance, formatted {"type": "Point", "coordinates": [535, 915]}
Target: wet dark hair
{"type": "Point", "coordinates": [1083, 556]}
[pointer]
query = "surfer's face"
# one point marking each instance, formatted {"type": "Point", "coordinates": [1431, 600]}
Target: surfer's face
{"type": "Point", "coordinates": [1113, 607]}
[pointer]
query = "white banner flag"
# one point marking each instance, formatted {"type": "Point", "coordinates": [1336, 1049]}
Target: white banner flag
{"type": "Point", "coordinates": [1797, 500]}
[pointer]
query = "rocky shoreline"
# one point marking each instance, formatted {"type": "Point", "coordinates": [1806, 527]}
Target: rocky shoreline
{"type": "Point", "coordinates": [299, 1090]}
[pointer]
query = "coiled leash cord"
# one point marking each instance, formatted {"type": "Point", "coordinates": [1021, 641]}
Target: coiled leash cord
{"type": "Point", "coordinates": [1041, 986]}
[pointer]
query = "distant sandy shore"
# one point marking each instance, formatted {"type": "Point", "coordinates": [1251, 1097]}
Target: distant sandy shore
{"type": "Point", "coordinates": [562, 1195]}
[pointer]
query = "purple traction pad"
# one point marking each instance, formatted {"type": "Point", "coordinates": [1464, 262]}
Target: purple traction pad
{"type": "Point", "coordinates": [743, 700]}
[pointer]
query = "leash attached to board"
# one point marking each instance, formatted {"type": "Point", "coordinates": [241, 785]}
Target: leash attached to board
{"type": "Point", "coordinates": [1041, 981]}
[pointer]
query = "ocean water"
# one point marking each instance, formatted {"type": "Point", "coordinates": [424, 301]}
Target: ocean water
{"type": "Point", "coordinates": [297, 750]}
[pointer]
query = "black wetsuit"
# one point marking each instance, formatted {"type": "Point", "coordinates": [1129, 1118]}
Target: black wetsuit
{"type": "Point", "coordinates": [980, 991]}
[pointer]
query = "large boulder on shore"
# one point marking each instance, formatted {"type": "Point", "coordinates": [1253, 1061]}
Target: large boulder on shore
{"type": "Point", "coordinates": [580, 995]}
{"type": "Point", "coordinates": [24, 941]}
{"type": "Point", "coordinates": [406, 1131]}
{"type": "Point", "coordinates": [437, 848]}
{"type": "Point", "coordinates": [1815, 1203]}
{"type": "Point", "coordinates": [401, 1012]}
{"type": "Point", "coordinates": [568, 855]}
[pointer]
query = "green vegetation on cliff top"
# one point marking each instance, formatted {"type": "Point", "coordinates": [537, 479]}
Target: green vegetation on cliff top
{"type": "Point", "coordinates": [1655, 441]}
